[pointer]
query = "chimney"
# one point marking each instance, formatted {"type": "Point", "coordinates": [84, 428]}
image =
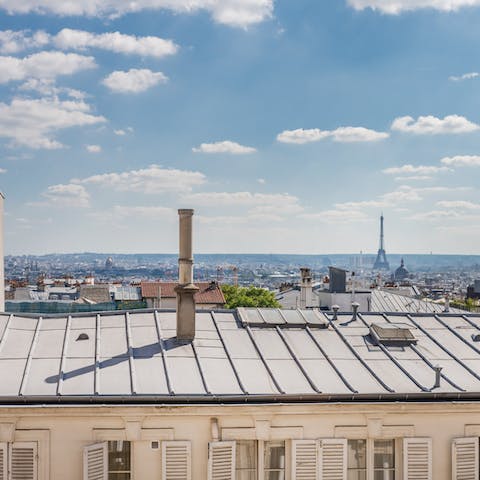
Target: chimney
{"type": "Point", "coordinates": [2, 271]}
{"type": "Point", "coordinates": [185, 289]}
{"type": "Point", "coordinates": [305, 287]}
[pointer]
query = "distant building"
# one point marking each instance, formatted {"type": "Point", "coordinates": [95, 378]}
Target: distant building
{"type": "Point", "coordinates": [109, 263]}
{"type": "Point", "coordinates": [473, 291]}
{"type": "Point", "coordinates": [401, 273]}
{"type": "Point", "coordinates": [162, 295]}
{"type": "Point", "coordinates": [94, 294]}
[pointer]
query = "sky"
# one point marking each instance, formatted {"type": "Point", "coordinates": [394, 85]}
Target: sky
{"type": "Point", "coordinates": [289, 126]}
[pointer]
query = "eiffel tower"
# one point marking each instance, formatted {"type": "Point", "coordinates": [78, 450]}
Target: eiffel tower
{"type": "Point", "coordinates": [381, 262]}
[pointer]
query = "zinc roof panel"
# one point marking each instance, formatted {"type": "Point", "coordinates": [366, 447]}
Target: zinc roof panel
{"type": "Point", "coordinates": [150, 376]}
{"type": "Point", "coordinates": [302, 344]}
{"type": "Point", "coordinates": [185, 376]}
{"type": "Point", "coordinates": [332, 344]}
{"type": "Point", "coordinates": [81, 323]}
{"type": "Point", "coordinates": [49, 344]}
{"type": "Point", "coordinates": [270, 344]}
{"type": "Point", "coordinates": [257, 383]}
{"type": "Point", "coordinates": [142, 320]}
{"type": "Point", "coordinates": [17, 344]}
{"type": "Point", "coordinates": [23, 323]}
{"type": "Point", "coordinates": [358, 376]}
{"type": "Point", "coordinates": [53, 323]}
{"type": "Point", "coordinates": [80, 348]}
{"type": "Point", "coordinates": [12, 375]}
{"type": "Point", "coordinates": [36, 378]}
{"type": "Point", "coordinates": [289, 376]}
{"type": "Point", "coordinates": [113, 341]}
{"type": "Point", "coordinates": [324, 376]}
{"type": "Point", "coordinates": [78, 376]}
{"type": "Point", "coordinates": [114, 376]}
{"type": "Point", "coordinates": [238, 344]}
{"type": "Point", "coordinates": [392, 376]}
{"type": "Point", "coordinates": [219, 376]}
{"type": "Point", "coordinates": [143, 336]}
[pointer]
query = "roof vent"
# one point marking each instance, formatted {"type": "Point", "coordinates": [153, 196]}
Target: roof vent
{"type": "Point", "coordinates": [476, 337]}
{"type": "Point", "coordinates": [391, 334]}
{"type": "Point", "coordinates": [82, 336]}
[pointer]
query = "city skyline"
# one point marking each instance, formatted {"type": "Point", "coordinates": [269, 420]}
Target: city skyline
{"type": "Point", "coordinates": [288, 127]}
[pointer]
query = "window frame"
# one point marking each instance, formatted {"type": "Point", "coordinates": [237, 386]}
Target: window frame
{"type": "Point", "coordinates": [260, 451]}
{"type": "Point", "coordinates": [370, 466]}
{"type": "Point", "coordinates": [132, 456]}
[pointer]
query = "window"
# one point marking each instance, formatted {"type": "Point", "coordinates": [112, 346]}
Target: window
{"type": "Point", "coordinates": [379, 454]}
{"type": "Point", "coordinates": [246, 460]}
{"type": "Point", "coordinates": [119, 460]}
{"type": "Point", "coordinates": [274, 460]}
{"type": "Point", "coordinates": [18, 460]}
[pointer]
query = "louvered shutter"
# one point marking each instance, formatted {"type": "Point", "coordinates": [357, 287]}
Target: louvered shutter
{"type": "Point", "coordinates": [417, 459]}
{"type": "Point", "coordinates": [465, 459]}
{"type": "Point", "coordinates": [23, 461]}
{"type": "Point", "coordinates": [95, 462]}
{"type": "Point", "coordinates": [221, 461]}
{"type": "Point", "coordinates": [333, 459]}
{"type": "Point", "coordinates": [176, 461]}
{"type": "Point", "coordinates": [305, 459]}
{"type": "Point", "coordinates": [3, 461]}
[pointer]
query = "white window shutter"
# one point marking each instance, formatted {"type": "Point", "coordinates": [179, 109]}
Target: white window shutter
{"type": "Point", "coordinates": [221, 461]}
{"type": "Point", "coordinates": [23, 461]}
{"type": "Point", "coordinates": [305, 459]}
{"type": "Point", "coordinates": [95, 462]}
{"type": "Point", "coordinates": [176, 461]}
{"type": "Point", "coordinates": [3, 461]}
{"type": "Point", "coordinates": [333, 459]}
{"type": "Point", "coordinates": [417, 459]}
{"type": "Point", "coordinates": [465, 458]}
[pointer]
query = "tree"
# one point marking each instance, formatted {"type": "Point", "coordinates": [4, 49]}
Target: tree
{"type": "Point", "coordinates": [248, 297]}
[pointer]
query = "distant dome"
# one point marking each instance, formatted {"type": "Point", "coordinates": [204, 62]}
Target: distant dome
{"type": "Point", "coordinates": [109, 262]}
{"type": "Point", "coordinates": [401, 273]}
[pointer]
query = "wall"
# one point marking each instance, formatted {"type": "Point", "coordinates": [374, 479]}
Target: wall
{"type": "Point", "coordinates": [64, 431]}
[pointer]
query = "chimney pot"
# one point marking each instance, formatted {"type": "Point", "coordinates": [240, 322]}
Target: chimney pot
{"type": "Point", "coordinates": [335, 309]}
{"type": "Point", "coordinates": [355, 306]}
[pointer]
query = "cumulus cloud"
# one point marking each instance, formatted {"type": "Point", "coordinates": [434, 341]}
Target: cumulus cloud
{"type": "Point", "coordinates": [133, 81]}
{"type": "Point", "coordinates": [17, 41]}
{"type": "Point", "coordinates": [47, 87]}
{"type": "Point", "coordinates": [462, 161]}
{"type": "Point", "coordinates": [224, 147]}
{"type": "Point", "coordinates": [465, 76]}
{"type": "Point", "coordinates": [211, 199]}
{"type": "Point", "coordinates": [151, 180]}
{"type": "Point", "coordinates": [430, 125]}
{"type": "Point", "coordinates": [33, 122]}
{"type": "Point", "coordinates": [394, 7]}
{"type": "Point", "coordinates": [341, 134]}
{"type": "Point", "coordinates": [420, 170]}
{"type": "Point", "coordinates": [337, 216]}
{"type": "Point", "coordinates": [236, 13]}
{"type": "Point", "coordinates": [43, 65]}
{"type": "Point", "coordinates": [69, 195]}
{"type": "Point", "coordinates": [93, 148]}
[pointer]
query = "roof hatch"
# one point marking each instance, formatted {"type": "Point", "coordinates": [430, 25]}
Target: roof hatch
{"type": "Point", "coordinates": [392, 334]}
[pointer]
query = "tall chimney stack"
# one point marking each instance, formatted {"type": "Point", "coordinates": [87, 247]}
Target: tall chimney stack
{"type": "Point", "coordinates": [305, 287]}
{"type": "Point", "coordinates": [185, 289]}
{"type": "Point", "coordinates": [2, 268]}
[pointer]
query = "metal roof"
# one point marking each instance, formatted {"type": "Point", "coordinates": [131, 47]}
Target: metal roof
{"type": "Point", "coordinates": [209, 292]}
{"type": "Point", "coordinates": [383, 301]}
{"type": "Point", "coordinates": [244, 355]}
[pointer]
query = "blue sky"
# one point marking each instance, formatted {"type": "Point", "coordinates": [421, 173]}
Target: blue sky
{"type": "Point", "coordinates": [288, 126]}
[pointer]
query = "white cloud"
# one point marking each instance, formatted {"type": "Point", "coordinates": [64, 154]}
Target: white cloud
{"type": "Point", "coordinates": [93, 148]}
{"type": "Point", "coordinates": [133, 81]}
{"type": "Point", "coordinates": [69, 195]}
{"type": "Point", "coordinates": [465, 76]}
{"type": "Point", "coordinates": [123, 131]}
{"type": "Point", "coordinates": [150, 180]}
{"type": "Point", "coordinates": [337, 216]}
{"type": "Point", "coordinates": [211, 199]}
{"type": "Point", "coordinates": [462, 161]}
{"type": "Point", "coordinates": [261, 181]}
{"type": "Point", "coordinates": [394, 7]}
{"type": "Point", "coordinates": [3, 170]}
{"type": "Point", "coordinates": [237, 13]}
{"type": "Point", "coordinates": [430, 125]}
{"type": "Point", "coordinates": [32, 123]}
{"type": "Point", "coordinates": [47, 87]}
{"type": "Point", "coordinates": [224, 147]}
{"type": "Point", "coordinates": [43, 65]}
{"type": "Point", "coordinates": [418, 169]}
{"type": "Point", "coordinates": [413, 178]}
{"type": "Point", "coordinates": [341, 134]}
{"type": "Point", "coordinates": [116, 42]}
{"type": "Point", "coordinates": [459, 204]}
{"type": "Point", "coordinates": [14, 42]}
